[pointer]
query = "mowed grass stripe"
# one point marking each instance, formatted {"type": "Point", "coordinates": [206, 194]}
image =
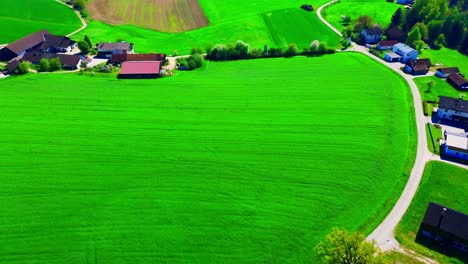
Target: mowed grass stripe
{"type": "Point", "coordinates": [256, 169]}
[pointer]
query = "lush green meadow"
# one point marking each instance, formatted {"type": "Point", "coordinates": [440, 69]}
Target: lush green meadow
{"type": "Point", "coordinates": [229, 21]}
{"type": "Point", "coordinates": [442, 183]}
{"type": "Point", "coordinates": [238, 162]}
{"type": "Point", "coordinates": [380, 10]}
{"type": "Point", "coordinates": [447, 57]}
{"type": "Point", "coordinates": [20, 18]}
{"type": "Point", "coordinates": [440, 88]}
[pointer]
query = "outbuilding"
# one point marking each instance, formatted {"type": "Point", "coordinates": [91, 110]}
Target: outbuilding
{"type": "Point", "coordinates": [19, 47]}
{"type": "Point", "coordinates": [458, 81]}
{"type": "Point", "coordinates": [445, 72]}
{"type": "Point", "coordinates": [140, 70]}
{"type": "Point", "coordinates": [418, 66]}
{"type": "Point", "coordinates": [405, 51]}
{"type": "Point", "coordinates": [392, 57]}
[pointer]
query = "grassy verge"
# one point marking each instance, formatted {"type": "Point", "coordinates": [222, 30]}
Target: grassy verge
{"type": "Point", "coordinates": [447, 58]}
{"type": "Point", "coordinates": [433, 134]}
{"type": "Point", "coordinates": [395, 257]}
{"type": "Point", "coordinates": [441, 183]}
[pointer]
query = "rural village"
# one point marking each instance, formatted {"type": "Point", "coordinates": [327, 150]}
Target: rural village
{"type": "Point", "coordinates": [436, 91]}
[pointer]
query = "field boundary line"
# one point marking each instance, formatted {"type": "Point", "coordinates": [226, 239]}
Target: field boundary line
{"type": "Point", "coordinates": [83, 22]}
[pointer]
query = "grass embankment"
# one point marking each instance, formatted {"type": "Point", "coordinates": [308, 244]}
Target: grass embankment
{"type": "Point", "coordinates": [380, 11]}
{"type": "Point", "coordinates": [20, 18]}
{"type": "Point", "coordinates": [238, 162]}
{"type": "Point", "coordinates": [444, 184]}
{"type": "Point", "coordinates": [433, 135]}
{"type": "Point", "coordinates": [229, 21]}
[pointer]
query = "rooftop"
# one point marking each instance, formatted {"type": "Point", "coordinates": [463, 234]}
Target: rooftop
{"type": "Point", "coordinates": [141, 67]}
{"type": "Point", "coordinates": [404, 48]}
{"type": "Point", "coordinates": [108, 46]}
{"type": "Point", "coordinates": [450, 221]}
{"type": "Point", "coordinates": [28, 42]}
{"type": "Point", "coordinates": [456, 104]}
{"type": "Point", "coordinates": [457, 140]}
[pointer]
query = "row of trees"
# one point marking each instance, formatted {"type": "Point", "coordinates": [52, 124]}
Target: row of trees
{"type": "Point", "coordinates": [436, 22]}
{"type": "Point", "coordinates": [192, 62]}
{"type": "Point", "coordinates": [241, 50]}
{"type": "Point", "coordinates": [51, 65]}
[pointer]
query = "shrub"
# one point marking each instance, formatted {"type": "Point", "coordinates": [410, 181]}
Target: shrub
{"type": "Point", "coordinates": [84, 47]}
{"type": "Point", "coordinates": [44, 65]}
{"type": "Point", "coordinates": [23, 67]}
{"type": "Point", "coordinates": [292, 50]}
{"type": "Point", "coordinates": [55, 64]}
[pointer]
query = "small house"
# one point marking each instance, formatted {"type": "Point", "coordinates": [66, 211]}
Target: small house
{"type": "Point", "coordinates": [445, 72]}
{"type": "Point", "coordinates": [105, 50]}
{"type": "Point", "coordinates": [372, 35]}
{"type": "Point", "coordinates": [19, 47]}
{"type": "Point", "coordinates": [446, 225]}
{"type": "Point", "coordinates": [418, 66]}
{"type": "Point", "coordinates": [456, 145]}
{"type": "Point", "coordinates": [386, 44]}
{"type": "Point", "coordinates": [458, 81]}
{"type": "Point", "coordinates": [454, 109]}
{"type": "Point", "coordinates": [392, 57]}
{"type": "Point", "coordinates": [140, 70]}
{"type": "Point", "coordinates": [405, 51]}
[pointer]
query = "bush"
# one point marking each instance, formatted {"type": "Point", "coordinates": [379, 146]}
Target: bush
{"type": "Point", "coordinates": [44, 65]}
{"type": "Point", "coordinates": [84, 47]}
{"type": "Point", "coordinates": [292, 50]}
{"type": "Point", "coordinates": [55, 64]}
{"type": "Point", "coordinates": [23, 67]}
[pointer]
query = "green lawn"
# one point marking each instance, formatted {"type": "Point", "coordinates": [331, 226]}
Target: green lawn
{"type": "Point", "coordinates": [20, 18]}
{"type": "Point", "coordinates": [380, 10]}
{"type": "Point", "coordinates": [433, 135]}
{"type": "Point", "coordinates": [440, 88]}
{"type": "Point", "coordinates": [444, 184]}
{"type": "Point", "coordinates": [448, 58]}
{"type": "Point", "coordinates": [238, 162]}
{"type": "Point", "coordinates": [229, 21]}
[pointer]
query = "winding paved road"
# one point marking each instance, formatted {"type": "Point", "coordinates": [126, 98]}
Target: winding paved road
{"type": "Point", "coordinates": [384, 233]}
{"type": "Point", "coordinates": [83, 22]}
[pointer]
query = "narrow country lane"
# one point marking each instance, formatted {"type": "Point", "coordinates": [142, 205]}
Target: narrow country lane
{"type": "Point", "coordinates": [83, 22]}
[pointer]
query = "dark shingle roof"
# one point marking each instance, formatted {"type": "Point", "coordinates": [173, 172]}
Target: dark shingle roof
{"type": "Point", "coordinates": [33, 57]}
{"type": "Point", "coordinates": [457, 79]}
{"type": "Point", "coordinates": [453, 222]}
{"type": "Point", "coordinates": [387, 43]}
{"type": "Point", "coordinates": [28, 42]}
{"type": "Point", "coordinates": [53, 41]}
{"type": "Point", "coordinates": [456, 104]}
{"type": "Point", "coordinates": [374, 31]}
{"type": "Point", "coordinates": [68, 61]}
{"type": "Point", "coordinates": [449, 70]}
{"type": "Point", "coordinates": [419, 64]}
{"type": "Point", "coordinates": [114, 46]}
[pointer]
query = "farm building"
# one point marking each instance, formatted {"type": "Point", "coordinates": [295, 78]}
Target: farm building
{"type": "Point", "coordinates": [69, 62]}
{"type": "Point", "coordinates": [372, 35]}
{"type": "Point", "coordinates": [12, 65]}
{"type": "Point", "coordinates": [458, 81]}
{"type": "Point", "coordinates": [392, 57]}
{"type": "Point", "coordinates": [455, 109]}
{"type": "Point", "coordinates": [53, 43]}
{"type": "Point", "coordinates": [105, 50]}
{"type": "Point", "coordinates": [445, 72]}
{"type": "Point", "coordinates": [441, 223]}
{"type": "Point", "coordinates": [117, 59]}
{"type": "Point", "coordinates": [456, 145]}
{"type": "Point", "coordinates": [19, 47]}
{"type": "Point", "coordinates": [140, 70]}
{"type": "Point", "coordinates": [393, 32]}
{"type": "Point", "coordinates": [386, 44]}
{"type": "Point", "coordinates": [418, 66]}
{"type": "Point", "coordinates": [405, 51]}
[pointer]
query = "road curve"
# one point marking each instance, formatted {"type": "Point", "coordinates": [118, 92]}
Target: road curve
{"type": "Point", "coordinates": [383, 235]}
{"type": "Point", "coordinates": [83, 22]}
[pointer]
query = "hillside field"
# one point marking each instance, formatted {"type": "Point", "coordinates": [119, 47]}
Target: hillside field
{"type": "Point", "coordinates": [238, 162]}
{"type": "Point", "coordinates": [441, 183]}
{"type": "Point", "coordinates": [20, 18]}
{"type": "Point", "coordinates": [229, 21]}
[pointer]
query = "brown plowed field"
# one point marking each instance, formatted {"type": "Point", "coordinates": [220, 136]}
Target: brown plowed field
{"type": "Point", "coordinates": [161, 15]}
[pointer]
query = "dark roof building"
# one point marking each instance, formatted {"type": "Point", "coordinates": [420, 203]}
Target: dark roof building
{"type": "Point", "coordinates": [22, 45]}
{"type": "Point", "coordinates": [140, 70]}
{"type": "Point", "coordinates": [455, 104]}
{"type": "Point", "coordinates": [445, 72]}
{"type": "Point", "coordinates": [386, 44]}
{"type": "Point", "coordinates": [458, 81]}
{"type": "Point", "coordinates": [446, 223]}
{"type": "Point", "coordinates": [69, 62]}
{"type": "Point", "coordinates": [33, 57]}
{"type": "Point", "coordinates": [418, 66]}
{"type": "Point", "coordinates": [12, 65]}
{"type": "Point", "coordinates": [393, 32]}
{"type": "Point", "coordinates": [120, 58]}
{"type": "Point", "coordinates": [55, 43]}
{"type": "Point", "coordinates": [105, 50]}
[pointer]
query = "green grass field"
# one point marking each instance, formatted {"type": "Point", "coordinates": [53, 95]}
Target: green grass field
{"type": "Point", "coordinates": [20, 18]}
{"type": "Point", "coordinates": [447, 57]}
{"type": "Point", "coordinates": [444, 184]}
{"type": "Point", "coordinates": [433, 135]}
{"type": "Point", "coordinates": [238, 162]}
{"type": "Point", "coordinates": [380, 10]}
{"type": "Point", "coordinates": [229, 21]}
{"type": "Point", "coordinates": [440, 88]}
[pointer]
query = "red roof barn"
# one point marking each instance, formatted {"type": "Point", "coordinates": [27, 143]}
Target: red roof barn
{"type": "Point", "coordinates": [140, 70]}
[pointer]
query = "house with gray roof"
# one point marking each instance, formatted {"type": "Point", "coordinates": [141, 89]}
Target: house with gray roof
{"type": "Point", "coordinates": [453, 109]}
{"type": "Point", "coordinates": [106, 49]}
{"type": "Point", "coordinates": [406, 52]}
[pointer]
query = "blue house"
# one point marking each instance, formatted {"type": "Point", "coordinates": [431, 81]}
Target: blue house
{"type": "Point", "coordinates": [456, 145]}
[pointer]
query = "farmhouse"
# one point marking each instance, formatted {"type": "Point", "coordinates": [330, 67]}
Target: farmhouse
{"type": "Point", "coordinates": [69, 62]}
{"type": "Point", "coordinates": [458, 81]}
{"type": "Point", "coordinates": [392, 57]}
{"type": "Point", "coordinates": [140, 70]}
{"type": "Point", "coordinates": [19, 47]}
{"type": "Point", "coordinates": [386, 44]}
{"type": "Point", "coordinates": [12, 65]}
{"type": "Point", "coordinates": [455, 109]}
{"type": "Point", "coordinates": [405, 51]}
{"type": "Point", "coordinates": [117, 59]}
{"type": "Point", "coordinates": [445, 72]}
{"type": "Point", "coordinates": [105, 50]}
{"type": "Point", "coordinates": [444, 224]}
{"type": "Point", "coordinates": [418, 66]}
{"type": "Point", "coordinates": [372, 35]}
{"type": "Point", "coordinates": [55, 43]}
{"type": "Point", "coordinates": [456, 145]}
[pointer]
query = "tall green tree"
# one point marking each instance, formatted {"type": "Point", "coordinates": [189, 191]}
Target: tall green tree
{"type": "Point", "coordinates": [396, 17]}
{"type": "Point", "coordinates": [23, 67]}
{"type": "Point", "coordinates": [79, 4]}
{"type": "Point", "coordinates": [342, 247]}
{"type": "Point", "coordinates": [44, 65]}
{"type": "Point", "coordinates": [413, 37]}
{"type": "Point", "coordinates": [84, 47]}
{"type": "Point", "coordinates": [55, 64]}
{"type": "Point", "coordinates": [86, 38]}
{"type": "Point", "coordinates": [363, 22]}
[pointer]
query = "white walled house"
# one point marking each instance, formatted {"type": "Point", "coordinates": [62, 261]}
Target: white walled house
{"type": "Point", "coordinates": [456, 145]}
{"type": "Point", "coordinates": [454, 109]}
{"type": "Point", "coordinates": [405, 51]}
{"type": "Point", "coordinates": [105, 50]}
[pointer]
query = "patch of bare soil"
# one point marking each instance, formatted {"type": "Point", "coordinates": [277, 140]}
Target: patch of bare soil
{"type": "Point", "coordinates": [161, 15]}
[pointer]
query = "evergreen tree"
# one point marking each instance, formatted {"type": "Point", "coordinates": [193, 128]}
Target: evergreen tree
{"type": "Point", "coordinates": [413, 37]}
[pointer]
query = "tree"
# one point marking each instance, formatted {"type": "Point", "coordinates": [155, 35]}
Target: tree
{"type": "Point", "coordinates": [84, 47]}
{"type": "Point", "coordinates": [419, 45]}
{"type": "Point", "coordinates": [413, 36]}
{"type": "Point", "coordinates": [55, 64]}
{"type": "Point", "coordinates": [340, 246]}
{"type": "Point", "coordinates": [292, 50]}
{"type": "Point", "coordinates": [440, 41]}
{"type": "Point", "coordinates": [86, 38]}
{"type": "Point", "coordinates": [242, 49]}
{"type": "Point", "coordinates": [363, 22]}
{"type": "Point", "coordinates": [196, 51]}
{"type": "Point", "coordinates": [198, 60]}
{"type": "Point", "coordinates": [44, 65]}
{"type": "Point", "coordinates": [79, 4]}
{"type": "Point", "coordinates": [423, 29]}
{"type": "Point", "coordinates": [396, 18]}
{"type": "Point", "coordinates": [23, 67]}
{"type": "Point", "coordinates": [429, 85]}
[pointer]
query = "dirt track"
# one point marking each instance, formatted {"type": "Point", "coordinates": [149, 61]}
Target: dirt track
{"type": "Point", "coordinates": [161, 15]}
